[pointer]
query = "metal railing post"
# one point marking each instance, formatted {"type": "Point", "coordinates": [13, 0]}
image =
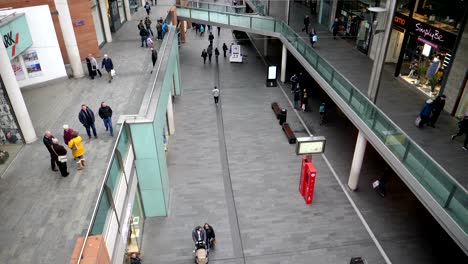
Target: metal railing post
{"type": "Point", "coordinates": [452, 193]}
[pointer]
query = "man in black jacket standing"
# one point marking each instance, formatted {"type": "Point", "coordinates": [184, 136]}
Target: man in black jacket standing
{"type": "Point", "coordinates": [105, 112]}
{"type": "Point", "coordinates": [86, 117]}
{"type": "Point", "coordinates": [47, 139]}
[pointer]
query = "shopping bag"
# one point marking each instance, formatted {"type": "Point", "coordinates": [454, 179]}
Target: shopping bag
{"type": "Point", "coordinates": [314, 38]}
{"type": "Point", "coordinates": [417, 122]}
{"type": "Point", "coordinates": [112, 72]}
{"type": "Point", "coordinates": [375, 184]}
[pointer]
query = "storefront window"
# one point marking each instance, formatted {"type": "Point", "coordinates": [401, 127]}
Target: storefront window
{"type": "Point", "coordinates": [440, 14]}
{"type": "Point", "coordinates": [134, 4]}
{"type": "Point", "coordinates": [136, 226]}
{"type": "Point", "coordinates": [11, 140]}
{"type": "Point", "coordinates": [121, 11]}
{"type": "Point", "coordinates": [97, 22]}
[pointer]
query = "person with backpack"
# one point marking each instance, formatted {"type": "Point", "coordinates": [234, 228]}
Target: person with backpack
{"type": "Point", "coordinates": [463, 129]}
{"type": "Point", "coordinates": [147, 8]}
{"type": "Point", "coordinates": [143, 37]}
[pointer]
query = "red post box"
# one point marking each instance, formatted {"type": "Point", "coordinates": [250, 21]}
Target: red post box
{"type": "Point", "coordinates": [302, 184]}
{"type": "Point", "coordinates": [310, 174]}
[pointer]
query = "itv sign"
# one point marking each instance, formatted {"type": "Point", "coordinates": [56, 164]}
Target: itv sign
{"type": "Point", "coordinates": [14, 32]}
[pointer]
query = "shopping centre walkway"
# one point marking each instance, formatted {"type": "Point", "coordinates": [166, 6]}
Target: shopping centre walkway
{"type": "Point", "coordinates": [231, 166]}
{"type": "Point", "coordinates": [399, 100]}
{"type": "Point", "coordinates": [42, 213]}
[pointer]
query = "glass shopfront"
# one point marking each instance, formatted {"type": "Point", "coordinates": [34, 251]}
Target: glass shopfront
{"type": "Point", "coordinates": [356, 21]}
{"type": "Point", "coordinates": [97, 22]}
{"type": "Point", "coordinates": [134, 5]}
{"type": "Point", "coordinates": [423, 40]}
{"type": "Point", "coordinates": [135, 229]}
{"type": "Point", "coordinates": [11, 139]}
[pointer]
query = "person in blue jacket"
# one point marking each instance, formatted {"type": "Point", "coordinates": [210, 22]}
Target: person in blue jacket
{"type": "Point", "coordinates": [425, 112]}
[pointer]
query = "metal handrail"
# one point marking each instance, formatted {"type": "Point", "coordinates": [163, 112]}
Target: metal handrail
{"type": "Point", "coordinates": [101, 191]}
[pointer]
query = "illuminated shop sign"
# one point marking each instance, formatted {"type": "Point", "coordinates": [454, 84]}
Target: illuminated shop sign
{"type": "Point", "coordinates": [433, 35]}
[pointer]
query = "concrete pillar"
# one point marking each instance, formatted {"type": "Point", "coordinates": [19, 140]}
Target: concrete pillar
{"type": "Point", "coordinates": [69, 38]}
{"type": "Point", "coordinates": [265, 46]}
{"type": "Point", "coordinates": [284, 56]}
{"type": "Point", "coordinates": [170, 116]}
{"type": "Point", "coordinates": [358, 157]}
{"type": "Point", "coordinates": [105, 20]}
{"type": "Point", "coordinates": [182, 31]}
{"type": "Point", "coordinates": [16, 98]}
{"type": "Point", "coordinates": [128, 15]}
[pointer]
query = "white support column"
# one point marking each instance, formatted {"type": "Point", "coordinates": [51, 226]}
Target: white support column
{"type": "Point", "coordinates": [170, 116]}
{"type": "Point", "coordinates": [358, 158]}
{"type": "Point", "coordinates": [16, 98]}
{"type": "Point", "coordinates": [284, 56]}
{"type": "Point", "coordinates": [105, 20]}
{"type": "Point", "coordinates": [69, 38]}
{"type": "Point", "coordinates": [127, 10]}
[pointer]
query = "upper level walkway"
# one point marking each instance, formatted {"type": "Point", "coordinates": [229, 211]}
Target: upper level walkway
{"type": "Point", "coordinates": [406, 149]}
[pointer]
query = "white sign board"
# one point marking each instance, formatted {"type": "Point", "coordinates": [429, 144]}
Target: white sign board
{"type": "Point", "coordinates": [236, 55]}
{"type": "Point", "coordinates": [310, 145]}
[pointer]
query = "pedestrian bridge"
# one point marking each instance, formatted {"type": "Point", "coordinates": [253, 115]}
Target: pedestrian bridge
{"type": "Point", "coordinates": [444, 197]}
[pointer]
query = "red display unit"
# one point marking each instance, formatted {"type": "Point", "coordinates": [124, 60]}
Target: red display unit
{"type": "Point", "coordinates": [307, 180]}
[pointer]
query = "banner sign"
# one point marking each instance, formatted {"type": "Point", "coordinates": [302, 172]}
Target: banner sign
{"type": "Point", "coordinates": [15, 35]}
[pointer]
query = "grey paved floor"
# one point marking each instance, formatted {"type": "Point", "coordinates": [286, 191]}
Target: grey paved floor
{"type": "Point", "coordinates": [275, 224]}
{"type": "Point", "coordinates": [42, 213]}
{"type": "Point", "coordinates": [397, 99]}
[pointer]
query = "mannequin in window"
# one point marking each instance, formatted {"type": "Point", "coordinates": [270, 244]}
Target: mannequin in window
{"type": "Point", "coordinates": [433, 68]}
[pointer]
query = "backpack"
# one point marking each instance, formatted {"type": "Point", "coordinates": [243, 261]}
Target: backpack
{"type": "Point", "coordinates": [322, 109]}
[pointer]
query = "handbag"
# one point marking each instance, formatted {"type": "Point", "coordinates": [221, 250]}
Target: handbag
{"type": "Point", "coordinates": [314, 38]}
{"type": "Point", "coordinates": [61, 159]}
{"type": "Point", "coordinates": [375, 184]}
{"type": "Point", "coordinates": [112, 72]}
{"type": "Point", "coordinates": [417, 122]}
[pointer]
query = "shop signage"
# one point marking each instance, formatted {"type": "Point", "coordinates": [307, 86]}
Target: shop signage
{"type": "Point", "coordinates": [434, 35]}
{"type": "Point", "coordinates": [15, 36]}
{"type": "Point", "coordinates": [400, 21]}
{"type": "Point", "coordinates": [78, 22]}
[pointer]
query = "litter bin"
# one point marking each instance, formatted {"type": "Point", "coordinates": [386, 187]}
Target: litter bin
{"type": "Point", "coordinates": [282, 116]}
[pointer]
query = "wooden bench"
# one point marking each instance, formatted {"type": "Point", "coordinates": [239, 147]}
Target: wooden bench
{"type": "Point", "coordinates": [276, 109]}
{"type": "Point", "coordinates": [289, 133]}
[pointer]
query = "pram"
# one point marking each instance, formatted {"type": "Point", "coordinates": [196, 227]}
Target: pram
{"type": "Point", "coordinates": [201, 253]}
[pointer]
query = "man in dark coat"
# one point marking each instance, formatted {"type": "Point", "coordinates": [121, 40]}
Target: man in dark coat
{"type": "Point", "coordinates": [210, 52]}
{"type": "Point", "coordinates": [105, 112]}
{"type": "Point", "coordinates": [154, 57]}
{"type": "Point", "coordinates": [225, 48]}
{"type": "Point", "coordinates": [47, 140]}
{"type": "Point", "coordinates": [216, 54]}
{"type": "Point", "coordinates": [211, 38]}
{"type": "Point", "coordinates": [204, 54]}
{"type": "Point", "coordinates": [463, 129]}
{"type": "Point", "coordinates": [437, 107]}
{"type": "Point", "coordinates": [143, 36]}
{"type": "Point", "coordinates": [108, 65]}
{"type": "Point", "coordinates": [306, 24]}
{"type": "Point", "coordinates": [86, 117]}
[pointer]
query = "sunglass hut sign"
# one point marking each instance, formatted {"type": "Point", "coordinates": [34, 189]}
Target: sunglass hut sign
{"type": "Point", "coordinates": [15, 36]}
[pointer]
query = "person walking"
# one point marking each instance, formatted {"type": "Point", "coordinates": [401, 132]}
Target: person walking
{"type": "Point", "coordinates": [219, 31]}
{"type": "Point", "coordinates": [86, 117]}
{"type": "Point", "coordinates": [306, 24]}
{"type": "Point", "coordinates": [216, 55]}
{"type": "Point", "coordinates": [78, 150]}
{"type": "Point", "coordinates": [91, 73]}
{"type": "Point", "coordinates": [313, 37]}
{"type": "Point", "coordinates": [159, 30]}
{"type": "Point", "coordinates": [67, 133]}
{"type": "Point", "coordinates": [199, 235]}
{"type": "Point", "coordinates": [154, 57]}
{"type": "Point", "coordinates": [210, 52]}
{"type": "Point", "coordinates": [463, 129]}
{"type": "Point", "coordinates": [294, 81]}
{"type": "Point", "coordinates": [335, 27]}
{"type": "Point", "coordinates": [143, 36]}
{"type": "Point", "coordinates": [105, 112]}
{"type": "Point", "coordinates": [47, 140]}
{"type": "Point", "coordinates": [297, 97]}
{"type": "Point", "coordinates": [204, 54]}
{"type": "Point", "coordinates": [323, 113]}
{"type": "Point", "coordinates": [305, 100]}
{"type": "Point", "coordinates": [147, 8]}
{"type": "Point", "coordinates": [215, 93]}
{"type": "Point", "coordinates": [425, 113]}
{"type": "Point", "coordinates": [225, 48]}
{"type": "Point", "coordinates": [210, 235]}
{"type": "Point", "coordinates": [148, 26]}
{"type": "Point", "coordinates": [59, 153]}
{"type": "Point", "coordinates": [94, 65]}
{"type": "Point", "coordinates": [109, 66]}
{"type": "Point", "coordinates": [211, 38]}
{"type": "Point", "coordinates": [437, 107]}
{"type": "Point", "coordinates": [202, 30]}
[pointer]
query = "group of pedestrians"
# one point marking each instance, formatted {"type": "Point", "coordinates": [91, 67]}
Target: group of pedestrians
{"type": "Point", "coordinates": [202, 28]}
{"type": "Point", "coordinates": [72, 139]}
{"type": "Point", "coordinates": [93, 69]}
{"type": "Point", "coordinates": [146, 33]}
{"type": "Point", "coordinates": [208, 53]}
{"type": "Point", "coordinates": [298, 89]}
{"type": "Point", "coordinates": [430, 113]}
{"type": "Point", "coordinates": [205, 235]}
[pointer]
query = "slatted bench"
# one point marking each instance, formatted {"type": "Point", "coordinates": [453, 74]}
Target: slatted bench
{"type": "Point", "coordinates": [289, 133]}
{"type": "Point", "coordinates": [276, 109]}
